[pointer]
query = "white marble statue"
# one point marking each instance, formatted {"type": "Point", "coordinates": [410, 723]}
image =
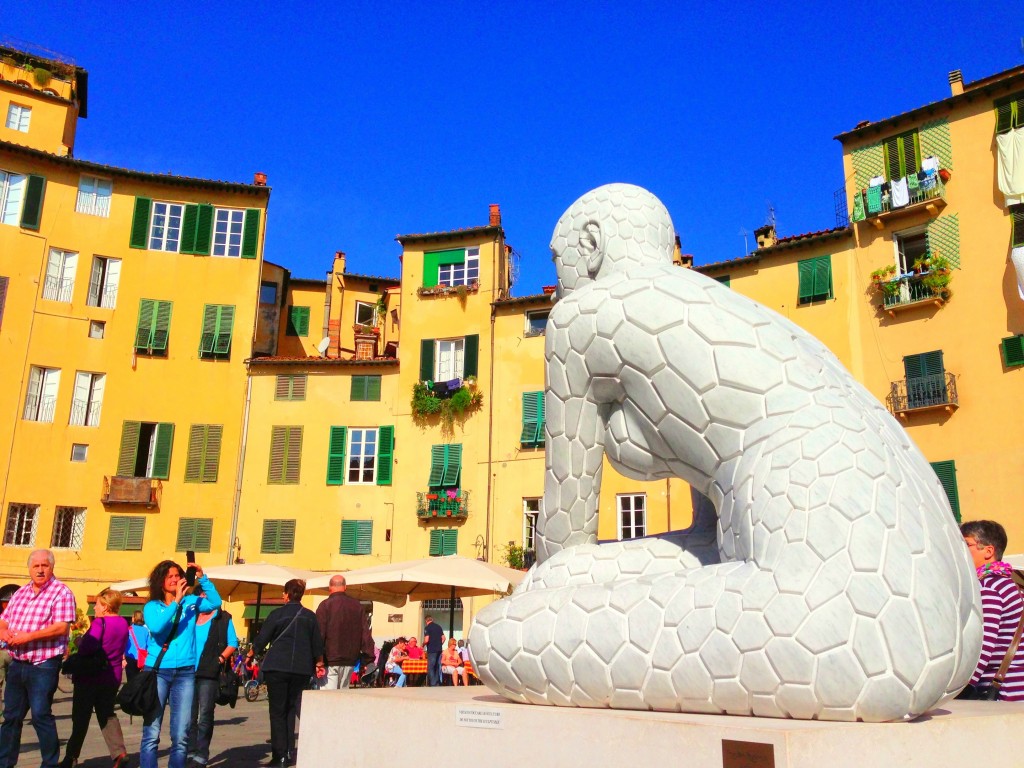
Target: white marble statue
{"type": "Point", "coordinates": [836, 585]}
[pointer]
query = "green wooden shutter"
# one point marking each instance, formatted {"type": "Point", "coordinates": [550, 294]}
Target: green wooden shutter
{"type": "Point", "coordinates": [531, 418]}
{"type": "Point", "coordinates": [204, 229]}
{"type": "Point", "coordinates": [902, 155]}
{"type": "Point", "coordinates": [278, 437]}
{"type": "Point", "coordinates": [32, 208]}
{"type": "Point", "coordinates": [823, 277]}
{"type": "Point", "coordinates": [452, 466]}
{"type": "Point", "coordinates": [946, 472]}
{"type": "Point", "coordinates": [1013, 351]}
{"type": "Point", "coordinates": [162, 451]}
{"type": "Point", "coordinates": [209, 332]}
{"type": "Point", "coordinates": [293, 459]}
{"type": "Point", "coordinates": [435, 542]}
{"type": "Point", "coordinates": [1009, 113]}
{"type": "Point", "coordinates": [134, 535]}
{"type": "Point", "coordinates": [438, 453]}
{"type": "Point", "coordinates": [139, 237]}
{"type": "Point", "coordinates": [211, 457]}
{"type": "Point", "coordinates": [161, 326]}
{"type": "Point", "coordinates": [336, 456]}
{"type": "Point", "coordinates": [278, 537]}
{"type": "Point", "coordinates": [434, 259]}
{"type": "Point", "coordinates": [117, 533]}
{"type": "Point", "coordinates": [1017, 228]}
{"type": "Point", "coordinates": [298, 321]}
{"type": "Point", "coordinates": [805, 274]}
{"type": "Point", "coordinates": [144, 329]}
{"type": "Point", "coordinates": [286, 537]}
{"type": "Point", "coordinates": [471, 356]}
{"type": "Point", "coordinates": [943, 236]}
{"type": "Point", "coordinates": [225, 326]}
{"type": "Point", "coordinates": [373, 388]}
{"type": "Point", "coordinates": [358, 392]}
{"type": "Point", "coordinates": [427, 360]}
{"type": "Point", "coordinates": [188, 229]}
{"type": "Point", "coordinates": [186, 534]}
{"type": "Point", "coordinates": [250, 233]}
{"type": "Point", "coordinates": [364, 537]}
{"type": "Point", "coordinates": [924, 364]}
{"type": "Point", "coordinates": [349, 537]}
{"type": "Point", "coordinates": [3, 298]}
{"type": "Point", "coordinates": [196, 448]}
{"type": "Point", "coordinates": [385, 454]}
{"type": "Point", "coordinates": [129, 448]}
{"type": "Point", "coordinates": [450, 541]}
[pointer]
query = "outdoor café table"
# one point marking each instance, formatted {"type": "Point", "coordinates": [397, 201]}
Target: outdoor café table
{"type": "Point", "coordinates": [416, 667]}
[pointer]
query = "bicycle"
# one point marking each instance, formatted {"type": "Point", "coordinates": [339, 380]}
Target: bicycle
{"type": "Point", "coordinates": [252, 685]}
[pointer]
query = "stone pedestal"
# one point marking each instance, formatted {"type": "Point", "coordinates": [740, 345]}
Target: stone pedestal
{"type": "Point", "coordinates": [380, 728]}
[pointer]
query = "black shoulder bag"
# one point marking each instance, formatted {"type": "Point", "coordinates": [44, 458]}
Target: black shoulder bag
{"type": "Point", "coordinates": [88, 664]}
{"type": "Point", "coordinates": [139, 695]}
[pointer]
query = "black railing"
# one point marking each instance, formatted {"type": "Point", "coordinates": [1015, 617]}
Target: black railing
{"type": "Point", "coordinates": [905, 290]}
{"type": "Point", "coordinates": [923, 392]}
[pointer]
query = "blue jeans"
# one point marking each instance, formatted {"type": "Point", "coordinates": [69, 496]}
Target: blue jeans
{"type": "Point", "coordinates": [200, 729]}
{"type": "Point", "coordinates": [433, 668]}
{"type": "Point", "coordinates": [176, 685]}
{"type": "Point", "coordinates": [30, 686]}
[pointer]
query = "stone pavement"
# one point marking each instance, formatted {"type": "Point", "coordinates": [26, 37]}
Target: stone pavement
{"type": "Point", "coordinates": [241, 736]}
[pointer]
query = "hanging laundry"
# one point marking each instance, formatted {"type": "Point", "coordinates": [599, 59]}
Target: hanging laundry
{"type": "Point", "coordinates": [874, 199]}
{"type": "Point", "coordinates": [876, 181]}
{"type": "Point", "coordinates": [900, 193]}
{"type": "Point", "coordinates": [928, 178]}
{"type": "Point", "coordinates": [1010, 166]}
{"type": "Point", "coordinates": [930, 163]}
{"type": "Point", "coordinates": [858, 207]}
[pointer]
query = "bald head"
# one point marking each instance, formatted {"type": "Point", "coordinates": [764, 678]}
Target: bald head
{"type": "Point", "coordinates": [337, 584]}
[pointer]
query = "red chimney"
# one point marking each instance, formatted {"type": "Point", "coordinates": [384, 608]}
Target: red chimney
{"type": "Point", "coordinates": [259, 179]}
{"type": "Point", "coordinates": [495, 215]}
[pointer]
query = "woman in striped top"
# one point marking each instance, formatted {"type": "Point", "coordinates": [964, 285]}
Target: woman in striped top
{"type": "Point", "coordinates": [1001, 604]}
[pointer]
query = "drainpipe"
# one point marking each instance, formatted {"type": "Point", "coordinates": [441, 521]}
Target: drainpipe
{"type": "Point", "coordinates": [237, 503]}
{"type": "Point", "coordinates": [490, 417]}
{"type": "Point", "coordinates": [327, 305]}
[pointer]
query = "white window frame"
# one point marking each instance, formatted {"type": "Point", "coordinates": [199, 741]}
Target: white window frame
{"type": "Point", "coordinates": [635, 506]}
{"type": "Point", "coordinates": [21, 524]}
{"type": "Point", "coordinates": [162, 235]}
{"type": "Point", "coordinates": [64, 518]}
{"type": "Point", "coordinates": [466, 273]}
{"type": "Point", "coordinates": [94, 195]}
{"type": "Point", "coordinates": [41, 395]}
{"type": "Point", "coordinates": [531, 513]}
{"type": "Point", "coordinates": [97, 329]}
{"type": "Point", "coordinates": [228, 226]}
{"type": "Point", "coordinates": [12, 194]}
{"type": "Point", "coordinates": [103, 282]}
{"type": "Point", "coordinates": [59, 283]}
{"type": "Point", "coordinates": [361, 464]}
{"type": "Point", "coordinates": [364, 307]}
{"type": "Point", "coordinates": [18, 117]}
{"type": "Point", "coordinates": [903, 264]}
{"type": "Point", "coordinates": [529, 329]}
{"type": "Point", "coordinates": [449, 359]}
{"type": "Point", "coordinates": [87, 402]}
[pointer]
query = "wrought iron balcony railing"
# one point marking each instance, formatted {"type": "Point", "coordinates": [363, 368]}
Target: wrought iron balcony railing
{"type": "Point", "coordinates": [907, 290]}
{"type": "Point", "coordinates": [440, 504]}
{"type": "Point", "coordinates": [924, 392]}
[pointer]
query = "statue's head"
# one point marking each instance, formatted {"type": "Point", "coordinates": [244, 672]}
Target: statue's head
{"type": "Point", "coordinates": [609, 229]}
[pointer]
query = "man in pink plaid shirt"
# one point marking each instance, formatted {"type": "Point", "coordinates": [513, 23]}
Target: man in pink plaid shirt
{"type": "Point", "coordinates": [35, 628]}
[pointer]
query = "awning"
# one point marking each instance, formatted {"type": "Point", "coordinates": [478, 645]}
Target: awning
{"type": "Point", "coordinates": [265, 610]}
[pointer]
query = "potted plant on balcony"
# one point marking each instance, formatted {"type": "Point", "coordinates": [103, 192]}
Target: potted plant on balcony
{"type": "Point", "coordinates": [884, 273]}
{"type": "Point", "coordinates": [922, 264]}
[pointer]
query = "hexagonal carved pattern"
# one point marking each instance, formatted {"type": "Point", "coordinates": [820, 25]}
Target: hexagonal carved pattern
{"type": "Point", "coordinates": [824, 575]}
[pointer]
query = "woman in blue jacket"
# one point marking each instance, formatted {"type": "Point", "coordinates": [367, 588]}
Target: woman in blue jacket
{"type": "Point", "coordinates": [169, 599]}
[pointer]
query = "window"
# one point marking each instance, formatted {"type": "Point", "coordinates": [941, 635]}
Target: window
{"type": "Point", "coordinates": [22, 520]}
{"type": "Point", "coordinates": [290, 387]}
{"type": "Point", "coordinates": [531, 511]}
{"type": "Point", "coordinates": [145, 449]}
{"type": "Point", "coordinates": [910, 247]}
{"type": "Point", "coordinates": [268, 293]}
{"type": "Point", "coordinates": [902, 155]}
{"type": "Point", "coordinates": [68, 528]}
{"type": "Point", "coordinates": [360, 455]}
{"type": "Point", "coordinates": [227, 232]}
{"type": "Point", "coordinates": [926, 379]}
{"type": "Point", "coordinates": [285, 455]}
{"type": "Point", "coordinates": [536, 322]}
{"type": "Point", "coordinates": [458, 266]}
{"type": "Point", "coordinates": [125, 533]}
{"type": "Point", "coordinates": [21, 199]}
{"type": "Point", "coordinates": [41, 397]}
{"type": "Point", "coordinates": [79, 452]}
{"type": "Point", "coordinates": [3, 297]}
{"type": "Point", "coordinates": [450, 356]}
{"type": "Point", "coordinates": [165, 229]}
{"type": "Point", "coordinates": [1010, 113]}
{"type": "Point", "coordinates": [445, 467]}
{"type": "Point", "coordinates": [365, 388]}
{"type": "Point", "coordinates": [203, 460]}
{"type": "Point", "coordinates": [366, 313]}
{"type": "Point", "coordinates": [97, 328]}
{"type": "Point", "coordinates": [444, 541]}
{"type": "Point", "coordinates": [532, 435]}
{"type": "Point", "coordinates": [815, 276]}
{"type": "Point", "coordinates": [278, 537]}
{"type": "Point", "coordinates": [154, 327]}
{"type": "Point", "coordinates": [88, 399]}
{"type": "Point", "coordinates": [215, 340]}
{"type": "Point", "coordinates": [59, 283]}
{"type": "Point", "coordinates": [194, 533]}
{"type": "Point", "coordinates": [632, 516]}
{"type": "Point", "coordinates": [103, 282]}
{"type": "Point", "coordinates": [94, 196]}
{"type": "Point", "coordinates": [946, 472]}
{"type": "Point", "coordinates": [447, 359]}
{"type": "Point", "coordinates": [18, 117]}
{"type": "Point", "coordinates": [1013, 351]}
{"type": "Point", "coordinates": [356, 537]}
{"type": "Point", "coordinates": [1017, 230]}
{"type": "Point", "coordinates": [298, 321]}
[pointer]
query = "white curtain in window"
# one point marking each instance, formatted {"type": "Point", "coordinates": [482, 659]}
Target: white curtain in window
{"type": "Point", "coordinates": [1010, 167]}
{"type": "Point", "coordinates": [80, 401]}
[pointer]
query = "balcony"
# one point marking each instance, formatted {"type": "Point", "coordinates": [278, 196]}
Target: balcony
{"type": "Point", "coordinates": [909, 291]}
{"type": "Point", "coordinates": [929, 197]}
{"type": "Point", "coordinates": [142, 491]}
{"type": "Point", "coordinates": [924, 393]}
{"type": "Point", "coordinates": [430, 504]}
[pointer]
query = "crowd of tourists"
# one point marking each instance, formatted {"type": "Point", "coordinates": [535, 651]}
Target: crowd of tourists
{"type": "Point", "coordinates": [179, 650]}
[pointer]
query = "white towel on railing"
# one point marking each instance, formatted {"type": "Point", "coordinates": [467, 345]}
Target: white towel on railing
{"type": "Point", "coordinates": [930, 163]}
{"type": "Point", "coordinates": [1011, 165]}
{"type": "Point", "coordinates": [1017, 257]}
{"type": "Point", "coordinates": [900, 192]}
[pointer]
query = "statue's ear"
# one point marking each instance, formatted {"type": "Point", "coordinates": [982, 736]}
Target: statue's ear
{"type": "Point", "coordinates": [592, 246]}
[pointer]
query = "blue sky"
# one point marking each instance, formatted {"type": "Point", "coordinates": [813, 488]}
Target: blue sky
{"type": "Point", "coordinates": [375, 119]}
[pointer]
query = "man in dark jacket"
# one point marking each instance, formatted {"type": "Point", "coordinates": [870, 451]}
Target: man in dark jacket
{"type": "Point", "coordinates": [345, 632]}
{"type": "Point", "coordinates": [216, 643]}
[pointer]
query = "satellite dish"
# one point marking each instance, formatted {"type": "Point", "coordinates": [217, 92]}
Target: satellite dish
{"type": "Point", "coordinates": [325, 342]}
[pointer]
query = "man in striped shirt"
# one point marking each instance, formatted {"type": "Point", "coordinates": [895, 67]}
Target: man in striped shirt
{"type": "Point", "coordinates": [35, 628]}
{"type": "Point", "coordinates": [1001, 604]}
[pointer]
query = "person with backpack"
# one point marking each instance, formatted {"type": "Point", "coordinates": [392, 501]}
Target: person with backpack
{"type": "Point", "coordinates": [216, 643]}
